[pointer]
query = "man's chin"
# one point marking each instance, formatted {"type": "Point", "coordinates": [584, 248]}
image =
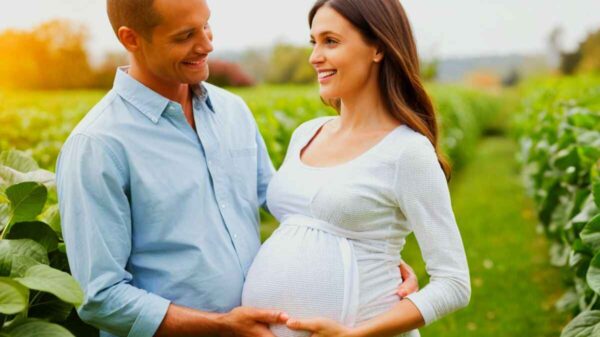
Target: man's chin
{"type": "Point", "coordinates": [195, 79]}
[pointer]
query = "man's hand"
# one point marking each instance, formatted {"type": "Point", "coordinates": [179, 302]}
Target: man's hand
{"type": "Point", "coordinates": [410, 283]}
{"type": "Point", "coordinates": [250, 322]}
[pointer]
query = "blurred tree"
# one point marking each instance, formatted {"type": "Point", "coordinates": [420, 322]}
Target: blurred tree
{"type": "Point", "coordinates": [590, 54]}
{"type": "Point", "coordinates": [51, 56]}
{"type": "Point", "coordinates": [289, 64]}
{"type": "Point", "coordinates": [512, 78]}
{"type": "Point", "coordinates": [224, 74]}
{"type": "Point", "coordinates": [104, 74]}
{"type": "Point", "coordinates": [555, 45]}
{"type": "Point", "coordinates": [586, 58]}
{"type": "Point", "coordinates": [256, 62]}
{"type": "Point", "coordinates": [569, 61]}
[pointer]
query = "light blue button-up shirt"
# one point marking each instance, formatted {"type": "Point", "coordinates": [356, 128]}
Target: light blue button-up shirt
{"type": "Point", "coordinates": [154, 212]}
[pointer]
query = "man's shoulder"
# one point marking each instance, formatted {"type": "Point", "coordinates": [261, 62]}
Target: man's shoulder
{"type": "Point", "coordinates": [104, 121]}
{"type": "Point", "coordinates": [100, 116]}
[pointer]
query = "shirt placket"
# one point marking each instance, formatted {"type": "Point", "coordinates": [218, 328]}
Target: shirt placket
{"type": "Point", "coordinates": [217, 161]}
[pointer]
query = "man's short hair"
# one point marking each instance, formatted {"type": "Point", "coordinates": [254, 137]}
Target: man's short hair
{"type": "Point", "coordinates": [138, 15]}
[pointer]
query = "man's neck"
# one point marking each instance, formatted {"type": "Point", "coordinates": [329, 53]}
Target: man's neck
{"type": "Point", "coordinates": [177, 92]}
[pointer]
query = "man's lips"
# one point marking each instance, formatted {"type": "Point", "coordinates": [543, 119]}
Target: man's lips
{"type": "Point", "coordinates": [195, 63]}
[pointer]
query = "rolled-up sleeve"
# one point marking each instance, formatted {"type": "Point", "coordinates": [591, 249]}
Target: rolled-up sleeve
{"type": "Point", "coordinates": [423, 196]}
{"type": "Point", "coordinates": [96, 224]}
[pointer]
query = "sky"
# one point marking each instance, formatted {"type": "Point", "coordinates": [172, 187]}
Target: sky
{"type": "Point", "coordinates": [443, 28]}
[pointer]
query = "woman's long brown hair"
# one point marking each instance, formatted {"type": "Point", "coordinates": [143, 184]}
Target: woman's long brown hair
{"type": "Point", "coordinates": [384, 23]}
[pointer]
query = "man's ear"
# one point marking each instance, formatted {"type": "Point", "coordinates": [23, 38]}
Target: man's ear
{"type": "Point", "coordinates": [129, 38]}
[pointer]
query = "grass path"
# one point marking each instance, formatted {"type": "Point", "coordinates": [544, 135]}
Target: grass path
{"type": "Point", "coordinates": [513, 285]}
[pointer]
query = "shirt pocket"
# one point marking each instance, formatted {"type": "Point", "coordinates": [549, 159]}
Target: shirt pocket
{"type": "Point", "coordinates": [244, 172]}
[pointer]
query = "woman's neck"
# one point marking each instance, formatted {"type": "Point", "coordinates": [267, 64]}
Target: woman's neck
{"type": "Point", "coordinates": [365, 111]}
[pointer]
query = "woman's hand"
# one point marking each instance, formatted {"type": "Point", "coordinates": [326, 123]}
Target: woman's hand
{"type": "Point", "coordinates": [410, 283]}
{"type": "Point", "coordinates": [320, 327]}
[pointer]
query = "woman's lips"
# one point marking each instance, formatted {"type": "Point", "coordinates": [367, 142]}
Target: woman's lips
{"type": "Point", "coordinates": [325, 75]}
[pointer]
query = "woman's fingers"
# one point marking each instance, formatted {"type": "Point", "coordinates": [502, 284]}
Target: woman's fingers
{"type": "Point", "coordinates": [303, 324]}
{"type": "Point", "coordinates": [410, 283]}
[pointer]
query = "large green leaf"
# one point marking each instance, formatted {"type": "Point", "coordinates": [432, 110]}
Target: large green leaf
{"type": "Point", "coordinates": [590, 235]}
{"type": "Point", "coordinates": [584, 325]}
{"type": "Point", "coordinates": [596, 191]}
{"type": "Point", "coordinates": [36, 231]}
{"type": "Point", "coordinates": [18, 160]}
{"type": "Point", "coordinates": [49, 307]}
{"type": "Point", "coordinates": [20, 265]}
{"type": "Point", "coordinates": [27, 200]}
{"type": "Point", "coordinates": [593, 274]}
{"type": "Point", "coordinates": [11, 176]}
{"type": "Point", "coordinates": [12, 249]}
{"type": "Point", "coordinates": [14, 297]}
{"type": "Point", "coordinates": [38, 328]}
{"type": "Point", "coordinates": [51, 216]}
{"type": "Point", "coordinates": [5, 214]}
{"type": "Point", "coordinates": [60, 284]}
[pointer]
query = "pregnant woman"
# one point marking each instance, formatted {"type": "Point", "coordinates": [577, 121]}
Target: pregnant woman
{"type": "Point", "coordinates": [354, 186]}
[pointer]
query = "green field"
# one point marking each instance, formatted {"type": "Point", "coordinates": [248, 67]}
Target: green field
{"type": "Point", "coordinates": [514, 286]}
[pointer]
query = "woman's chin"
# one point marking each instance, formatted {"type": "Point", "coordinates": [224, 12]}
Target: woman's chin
{"type": "Point", "coordinates": [327, 94]}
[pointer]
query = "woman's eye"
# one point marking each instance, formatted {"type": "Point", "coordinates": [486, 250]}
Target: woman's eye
{"type": "Point", "coordinates": [330, 41]}
{"type": "Point", "coordinates": [312, 42]}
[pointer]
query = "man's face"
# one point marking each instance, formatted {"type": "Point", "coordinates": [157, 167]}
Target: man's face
{"type": "Point", "coordinates": [180, 44]}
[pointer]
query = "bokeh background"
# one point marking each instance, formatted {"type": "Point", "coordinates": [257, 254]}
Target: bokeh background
{"type": "Point", "coordinates": [516, 86]}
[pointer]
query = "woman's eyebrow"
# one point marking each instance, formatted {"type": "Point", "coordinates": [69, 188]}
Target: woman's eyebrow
{"type": "Point", "coordinates": [327, 32]}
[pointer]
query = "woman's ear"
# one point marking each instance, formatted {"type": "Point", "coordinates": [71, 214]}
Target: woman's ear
{"type": "Point", "coordinates": [378, 55]}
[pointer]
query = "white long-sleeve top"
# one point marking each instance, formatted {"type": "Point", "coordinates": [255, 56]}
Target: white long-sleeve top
{"type": "Point", "coordinates": [343, 228]}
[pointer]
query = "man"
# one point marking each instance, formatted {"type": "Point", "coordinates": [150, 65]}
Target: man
{"type": "Point", "coordinates": [159, 187]}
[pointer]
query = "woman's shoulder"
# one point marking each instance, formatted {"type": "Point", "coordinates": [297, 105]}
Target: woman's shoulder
{"type": "Point", "coordinates": [406, 143]}
{"type": "Point", "coordinates": [308, 126]}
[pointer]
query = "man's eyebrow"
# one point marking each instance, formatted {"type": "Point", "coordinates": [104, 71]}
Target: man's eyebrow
{"type": "Point", "coordinates": [184, 31]}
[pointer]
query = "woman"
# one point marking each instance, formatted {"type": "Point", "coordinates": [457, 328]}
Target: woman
{"type": "Point", "coordinates": [354, 186]}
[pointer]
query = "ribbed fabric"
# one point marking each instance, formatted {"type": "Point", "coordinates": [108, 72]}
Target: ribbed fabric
{"type": "Point", "coordinates": [336, 252]}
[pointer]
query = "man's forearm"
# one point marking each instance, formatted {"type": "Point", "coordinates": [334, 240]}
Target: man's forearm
{"type": "Point", "coordinates": [185, 322]}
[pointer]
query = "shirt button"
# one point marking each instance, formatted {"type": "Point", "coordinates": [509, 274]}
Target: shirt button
{"type": "Point", "coordinates": [235, 236]}
{"type": "Point", "coordinates": [223, 205]}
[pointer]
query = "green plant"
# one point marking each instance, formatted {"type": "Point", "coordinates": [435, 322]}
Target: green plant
{"type": "Point", "coordinates": [37, 294]}
{"type": "Point", "coordinates": [559, 134]}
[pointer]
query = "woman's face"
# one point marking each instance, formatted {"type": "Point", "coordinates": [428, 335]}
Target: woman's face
{"type": "Point", "coordinates": [344, 61]}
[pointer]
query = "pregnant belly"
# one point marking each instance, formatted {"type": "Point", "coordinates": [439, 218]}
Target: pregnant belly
{"type": "Point", "coordinates": [299, 270]}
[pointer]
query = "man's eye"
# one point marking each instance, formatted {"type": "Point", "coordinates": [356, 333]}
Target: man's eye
{"type": "Point", "coordinates": [184, 37]}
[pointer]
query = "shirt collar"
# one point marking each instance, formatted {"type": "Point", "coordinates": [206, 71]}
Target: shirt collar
{"type": "Point", "coordinates": [150, 103]}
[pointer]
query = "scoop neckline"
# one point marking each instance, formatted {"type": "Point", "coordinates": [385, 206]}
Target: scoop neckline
{"type": "Point", "coordinates": [363, 154]}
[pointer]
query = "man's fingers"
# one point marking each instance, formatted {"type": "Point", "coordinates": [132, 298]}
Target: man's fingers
{"type": "Point", "coordinates": [303, 324]}
{"type": "Point", "coordinates": [270, 316]}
